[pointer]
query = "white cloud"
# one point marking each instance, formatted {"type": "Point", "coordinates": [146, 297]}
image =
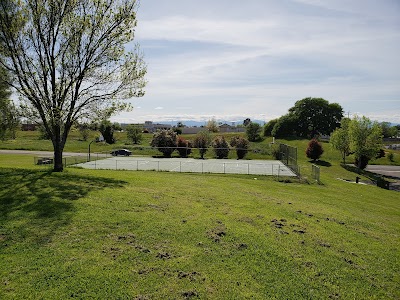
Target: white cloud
{"type": "Point", "coordinates": [261, 57]}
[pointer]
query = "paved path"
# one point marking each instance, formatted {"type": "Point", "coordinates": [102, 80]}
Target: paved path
{"type": "Point", "coordinates": [40, 153]}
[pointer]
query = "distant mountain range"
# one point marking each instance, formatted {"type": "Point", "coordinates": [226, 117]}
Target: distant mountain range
{"type": "Point", "coordinates": [191, 123]}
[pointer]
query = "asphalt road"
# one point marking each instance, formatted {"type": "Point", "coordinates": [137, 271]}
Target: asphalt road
{"type": "Point", "coordinates": [40, 153]}
{"type": "Point", "coordinates": [393, 171]}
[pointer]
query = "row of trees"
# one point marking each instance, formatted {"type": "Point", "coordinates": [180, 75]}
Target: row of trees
{"type": "Point", "coordinates": [167, 141]}
{"type": "Point", "coordinates": [359, 136]}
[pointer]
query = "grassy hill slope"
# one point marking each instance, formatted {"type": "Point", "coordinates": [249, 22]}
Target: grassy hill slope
{"type": "Point", "coordinates": [148, 235]}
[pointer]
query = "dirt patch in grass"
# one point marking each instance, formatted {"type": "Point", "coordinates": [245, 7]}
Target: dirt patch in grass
{"type": "Point", "coordinates": [190, 294]}
{"type": "Point", "coordinates": [217, 232]}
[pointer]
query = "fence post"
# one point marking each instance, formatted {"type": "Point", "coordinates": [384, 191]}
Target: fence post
{"type": "Point", "coordinates": [224, 167]}
{"type": "Point", "coordinates": [116, 164]}
{"type": "Point", "coordinates": [248, 169]}
{"type": "Point", "coordinates": [158, 165]}
{"type": "Point", "coordinates": [137, 165]}
{"type": "Point", "coordinates": [180, 167]}
{"type": "Point", "coordinates": [279, 171]}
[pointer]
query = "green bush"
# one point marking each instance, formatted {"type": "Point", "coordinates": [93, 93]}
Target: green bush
{"type": "Point", "coordinates": [253, 131]}
{"type": "Point", "coordinates": [221, 147]}
{"type": "Point", "coordinates": [164, 141]}
{"type": "Point", "coordinates": [241, 145]}
{"type": "Point", "coordinates": [184, 147]}
{"type": "Point", "coordinates": [390, 156]}
{"type": "Point", "coordinates": [202, 141]}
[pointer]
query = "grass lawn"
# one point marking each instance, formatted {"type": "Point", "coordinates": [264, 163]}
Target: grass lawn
{"type": "Point", "coordinates": [101, 234]}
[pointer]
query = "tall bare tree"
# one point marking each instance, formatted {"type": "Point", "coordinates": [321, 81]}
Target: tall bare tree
{"type": "Point", "coordinates": [68, 60]}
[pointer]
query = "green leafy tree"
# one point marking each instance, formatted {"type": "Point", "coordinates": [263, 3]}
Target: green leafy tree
{"type": "Point", "coordinates": [107, 131]}
{"type": "Point", "coordinates": [285, 126]}
{"type": "Point", "coordinates": [134, 133]}
{"type": "Point", "coordinates": [365, 140]}
{"type": "Point", "coordinates": [314, 150]}
{"type": "Point", "coordinates": [241, 145]}
{"type": "Point", "coordinates": [70, 61]}
{"type": "Point", "coordinates": [221, 147]}
{"type": "Point", "coordinates": [388, 131]}
{"type": "Point", "coordinates": [253, 131]}
{"type": "Point", "coordinates": [201, 141]}
{"type": "Point", "coordinates": [164, 141]}
{"type": "Point", "coordinates": [212, 125]}
{"type": "Point", "coordinates": [116, 126]}
{"type": "Point", "coordinates": [246, 122]}
{"type": "Point", "coordinates": [316, 116]}
{"type": "Point", "coordinates": [9, 115]}
{"type": "Point", "coordinates": [340, 139]}
{"type": "Point", "coordinates": [269, 127]}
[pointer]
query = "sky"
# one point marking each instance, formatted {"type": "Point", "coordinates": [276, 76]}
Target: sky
{"type": "Point", "coordinates": [231, 59]}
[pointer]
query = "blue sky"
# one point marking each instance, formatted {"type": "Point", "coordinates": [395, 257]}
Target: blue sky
{"type": "Point", "coordinates": [256, 58]}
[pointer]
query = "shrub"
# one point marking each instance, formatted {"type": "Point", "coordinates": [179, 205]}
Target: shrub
{"type": "Point", "coordinates": [201, 141]}
{"type": "Point", "coordinates": [253, 131]}
{"type": "Point", "coordinates": [164, 141]}
{"type": "Point", "coordinates": [314, 150]}
{"type": "Point", "coordinates": [275, 151]}
{"type": "Point", "coordinates": [221, 147]}
{"type": "Point", "coordinates": [134, 133]}
{"type": "Point", "coordinates": [177, 130]}
{"type": "Point", "coordinates": [380, 154]}
{"type": "Point", "coordinates": [241, 145]}
{"type": "Point", "coordinates": [390, 157]}
{"type": "Point", "coordinates": [184, 147]}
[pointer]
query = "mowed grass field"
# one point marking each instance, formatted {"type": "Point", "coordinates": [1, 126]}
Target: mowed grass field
{"type": "Point", "coordinates": [96, 234]}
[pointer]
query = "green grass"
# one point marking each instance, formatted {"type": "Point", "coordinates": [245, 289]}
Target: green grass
{"type": "Point", "coordinates": [155, 235]}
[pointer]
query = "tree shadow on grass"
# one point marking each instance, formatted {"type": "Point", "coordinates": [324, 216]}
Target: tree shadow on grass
{"type": "Point", "coordinates": [323, 163]}
{"type": "Point", "coordinates": [35, 204]}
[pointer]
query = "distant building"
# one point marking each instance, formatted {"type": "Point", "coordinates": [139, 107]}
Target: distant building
{"type": "Point", "coordinates": [28, 127]}
{"type": "Point", "coordinates": [229, 128]}
{"type": "Point", "coordinates": [192, 130]}
{"type": "Point", "coordinates": [149, 126]}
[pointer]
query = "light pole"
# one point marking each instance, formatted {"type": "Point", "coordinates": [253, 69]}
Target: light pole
{"type": "Point", "coordinates": [89, 150]}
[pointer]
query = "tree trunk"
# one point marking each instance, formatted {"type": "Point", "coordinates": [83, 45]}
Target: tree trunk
{"type": "Point", "coordinates": [58, 146]}
{"type": "Point", "coordinates": [58, 158]}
